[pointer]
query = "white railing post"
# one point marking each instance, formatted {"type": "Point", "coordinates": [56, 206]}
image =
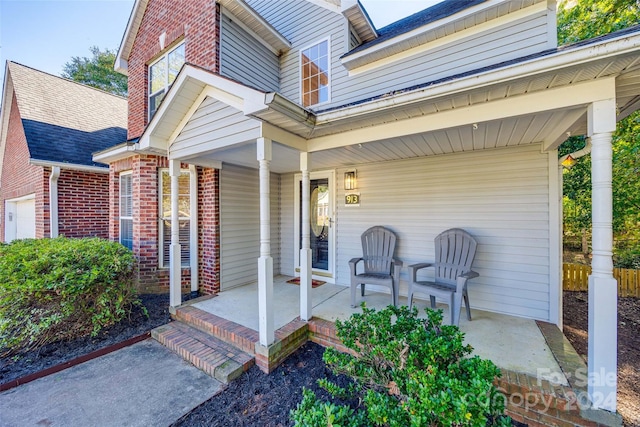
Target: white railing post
{"type": "Point", "coordinates": [603, 287]}
{"type": "Point", "coordinates": [305, 251]}
{"type": "Point", "coordinates": [175, 273]}
{"type": "Point", "coordinates": [265, 262]}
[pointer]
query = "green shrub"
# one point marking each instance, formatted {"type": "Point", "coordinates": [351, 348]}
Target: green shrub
{"type": "Point", "coordinates": [408, 372]}
{"type": "Point", "coordinates": [56, 289]}
{"type": "Point", "coordinates": [627, 258]}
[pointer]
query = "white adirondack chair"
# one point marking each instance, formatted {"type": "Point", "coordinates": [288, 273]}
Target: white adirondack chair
{"type": "Point", "coordinates": [455, 251]}
{"type": "Point", "coordinates": [380, 268]}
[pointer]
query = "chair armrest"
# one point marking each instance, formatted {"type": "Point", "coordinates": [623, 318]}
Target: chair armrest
{"type": "Point", "coordinates": [397, 263]}
{"type": "Point", "coordinates": [354, 261]}
{"type": "Point", "coordinates": [413, 269]}
{"type": "Point", "coordinates": [352, 265]}
{"type": "Point", "coordinates": [470, 275]}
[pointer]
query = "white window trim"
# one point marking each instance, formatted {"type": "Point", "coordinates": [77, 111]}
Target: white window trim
{"type": "Point", "coordinates": [163, 57]}
{"type": "Point", "coordinates": [329, 71]}
{"type": "Point", "coordinates": [120, 217]}
{"type": "Point", "coordinates": [193, 219]}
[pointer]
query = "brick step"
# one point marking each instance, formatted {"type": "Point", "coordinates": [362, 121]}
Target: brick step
{"type": "Point", "coordinates": [230, 332]}
{"type": "Point", "coordinates": [222, 361]}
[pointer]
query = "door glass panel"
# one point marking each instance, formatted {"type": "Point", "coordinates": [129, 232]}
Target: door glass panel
{"type": "Point", "coordinates": [320, 222]}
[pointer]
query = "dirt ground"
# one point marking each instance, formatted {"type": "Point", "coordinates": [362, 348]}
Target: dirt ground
{"type": "Point", "coordinates": [575, 317]}
{"type": "Point", "coordinates": [61, 352]}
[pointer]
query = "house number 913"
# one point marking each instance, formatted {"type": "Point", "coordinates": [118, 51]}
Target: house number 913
{"type": "Point", "coordinates": [352, 199]}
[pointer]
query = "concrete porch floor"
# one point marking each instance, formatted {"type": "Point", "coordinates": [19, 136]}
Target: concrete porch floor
{"type": "Point", "coordinates": [510, 342]}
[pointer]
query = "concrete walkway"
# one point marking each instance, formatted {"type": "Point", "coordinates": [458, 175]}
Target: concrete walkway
{"type": "Point", "coordinates": [141, 385]}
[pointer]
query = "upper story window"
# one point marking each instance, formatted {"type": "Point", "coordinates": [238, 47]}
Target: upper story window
{"type": "Point", "coordinates": [161, 74]}
{"type": "Point", "coordinates": [314, 74]}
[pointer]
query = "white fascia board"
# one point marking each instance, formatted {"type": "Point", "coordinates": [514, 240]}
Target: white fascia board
{"type": "Point", "coordinates": [424, 29]}
{"type": "Point", "coordinates": [118, 152]}
{"type": "Point", "coordinates": [70, 166]}
{"type": "Point", "coordinates": [225, 90]}
{"type": "Point", "coordinates": [562, 59]}
{"type": "Point", "coordinates": [333, 6]}
{"type": "Point", "coordinates": [520, 105]}
{"type": "Point", "coordinates": [5, 112]}
{"type": "Point", "coordinates": [121, 63]}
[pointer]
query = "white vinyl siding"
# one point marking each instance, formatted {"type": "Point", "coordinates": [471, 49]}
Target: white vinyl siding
{"type": "Point", "coordinates": [500, 196]}
{"type": "Point", "coordinates": [246, 60]}
{"type": "Point", "coordinates": [214, 125]}
{"type": "Point", "coordinates": [240, 225]}
{"type": "Point", "coordinates": [303, 23]}
{"type": "Point", "coordinates": [126, 209]}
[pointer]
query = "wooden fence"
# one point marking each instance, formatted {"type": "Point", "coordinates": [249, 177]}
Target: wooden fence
{"type": "Point", "coordinates": [575, 277]}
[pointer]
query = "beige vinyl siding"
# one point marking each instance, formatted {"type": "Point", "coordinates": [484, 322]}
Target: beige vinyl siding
{"type": "Point", "coordinates": [240, 225]}
{"type": "Point", "coordinates": [509, 41]}
{"type": "Point", "coordinates": [214, 125]}
{"type": "Point", "coordinates": [245, 59]}
{"type": "Point", "coordinates": [500, 196]}
{"type": "Point", "coordinates": [304, 23]}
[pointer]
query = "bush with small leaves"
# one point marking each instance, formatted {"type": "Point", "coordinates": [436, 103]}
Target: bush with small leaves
{"type": "Point", "coordinates": [410, 371]}
{"type": "Point", "coordinates": [57, 289]}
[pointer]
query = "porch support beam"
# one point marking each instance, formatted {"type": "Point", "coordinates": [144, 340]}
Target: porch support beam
{"type": "Point", "coordinates": [175, 273]}
{"type": "Point", "coordinates": [603, 288]}
{"type": "Point", "coordinates": [265, 262]}
{"type": "Point", "coordinates": [305, 251]}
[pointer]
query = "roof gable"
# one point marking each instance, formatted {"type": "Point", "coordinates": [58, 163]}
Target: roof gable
{"type": "Point", "coordinates": [64, 121]}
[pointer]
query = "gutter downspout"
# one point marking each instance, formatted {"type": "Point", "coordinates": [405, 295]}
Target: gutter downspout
{"type": "Point", "coordinates": [53, 200]}
{"type": "Point", "coordinates": [568, 160]}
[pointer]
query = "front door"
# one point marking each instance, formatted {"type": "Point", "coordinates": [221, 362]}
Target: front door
{"type": "Point", "coordinates": [321, 223]}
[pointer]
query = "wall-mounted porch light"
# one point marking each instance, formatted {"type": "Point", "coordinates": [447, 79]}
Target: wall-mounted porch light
{"type": "Point", "coordinates": [350, 180]}
{"type": "Point", "coordinates": [569, 162]}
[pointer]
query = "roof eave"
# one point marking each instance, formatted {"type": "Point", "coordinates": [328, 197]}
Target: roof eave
{"type": "Point", "coordinates": [115, 153]}
{"type": "Point", "coordinates": [562, 58]}
{"type": "Point", "coordinates": [70, 166]}
{"type": "Point", "coordinates": [121, 64]}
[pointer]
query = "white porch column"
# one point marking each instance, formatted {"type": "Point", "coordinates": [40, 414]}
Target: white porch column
{"type": "Point", "coordinates": [175, 273]}
{"type": "Point", "coordinates": [603, 288]}
{"type": "Point", "coordinates": [265, 262]}
{"type": "Point", "coordinates": [305, 251]}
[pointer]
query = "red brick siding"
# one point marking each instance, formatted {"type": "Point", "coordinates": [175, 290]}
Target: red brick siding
{"type": "Point", "coordinates": [82, 196]}
{"type": "Point", "coordinates": [209, 230]}
{"type": "Point", "coordinates": [145, 170]}
{"type": "Point", "coordinates": [195, 21]}
{"type": "Point", "coordinates": [83, 204]}
{"type": "Point", "coordinates": [18, 177]}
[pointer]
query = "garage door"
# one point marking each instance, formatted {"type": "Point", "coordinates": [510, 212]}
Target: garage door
{"type": "Point", "coordinates": [26, 219]}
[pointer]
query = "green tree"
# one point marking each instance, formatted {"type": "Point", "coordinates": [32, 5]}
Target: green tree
{"type": "Point", "coordinates": [579, 20]}
{"type": "Point", "coordinates": [585, 19]}
{"type": "Point", "coordinates": [97, 71]}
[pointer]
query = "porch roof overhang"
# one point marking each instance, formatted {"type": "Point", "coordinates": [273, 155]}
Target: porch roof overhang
{"type": "Point", "coordinates": [537, 99]}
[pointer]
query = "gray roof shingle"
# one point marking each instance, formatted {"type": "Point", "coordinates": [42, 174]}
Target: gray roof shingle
{"type": "Point", "coordinates": [417, 20]}
{"type": "Point", "coordinates": [65, 121]}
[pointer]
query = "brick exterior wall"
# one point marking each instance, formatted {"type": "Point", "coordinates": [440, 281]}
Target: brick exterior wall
{"type": "Point", "coordinates": [209, 230]}
{"type": "Point", "coordinates": [83, 204]}
{"type": "Point", "coordinates": [145, 172]}
{"type": "Point", "coordinates": [194, 21]}
{"type": "Point", "coordinates": [83, 197]}
{"type": "Point", "coordinates": [18, 177]}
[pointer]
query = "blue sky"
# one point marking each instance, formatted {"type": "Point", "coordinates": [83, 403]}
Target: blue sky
{"type": "Point", "coordinates": [45, 34]}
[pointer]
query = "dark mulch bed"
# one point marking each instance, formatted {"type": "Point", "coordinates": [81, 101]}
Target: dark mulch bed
{"type": "Point", "coordinates": [576, 323]}
{"type": "Point", "coordinates": [61, 352]}
{"type": "Point", "coordinates": [257, 399]}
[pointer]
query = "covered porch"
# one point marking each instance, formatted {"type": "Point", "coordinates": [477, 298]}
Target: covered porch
{"type": "Point", "coordinates": [476, 151]}
{"type": "Point", "coordinates": [512, 343]}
